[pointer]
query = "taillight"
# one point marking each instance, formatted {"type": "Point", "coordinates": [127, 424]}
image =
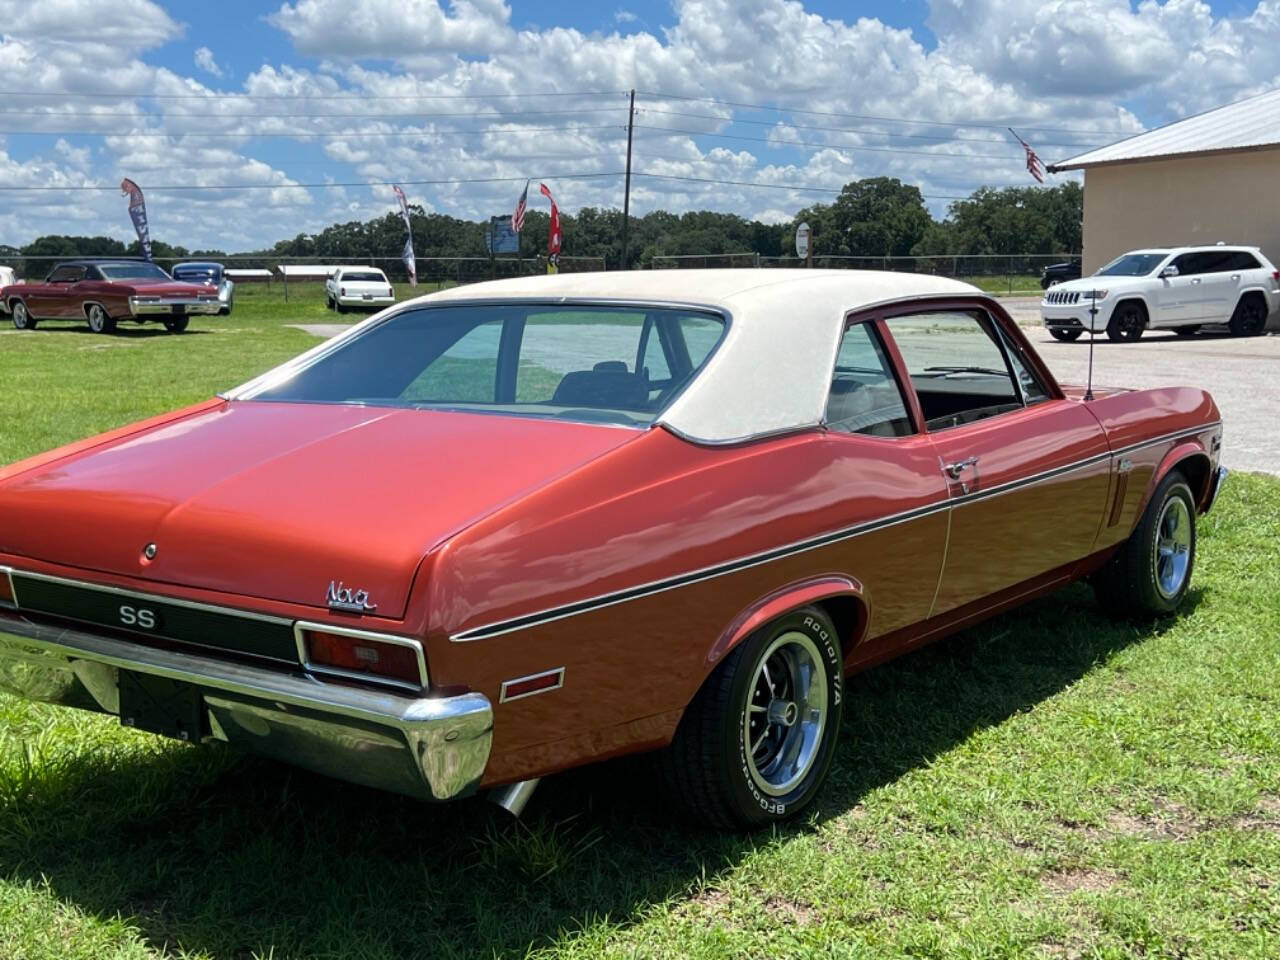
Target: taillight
{"type": "Point", "coordinates": [391, 291]}
{"type": "Point", "coordinates": [6, 590]}
{"type": "Point", "coordinates": [342, 291]}
{"type": "Point", "coordinates": [1275, 274]}
{"type": "Point", "coordinates": [366, 656]}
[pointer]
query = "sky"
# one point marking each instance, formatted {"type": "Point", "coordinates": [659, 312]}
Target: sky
{"type": "Point", "coordinates": [285, 118]}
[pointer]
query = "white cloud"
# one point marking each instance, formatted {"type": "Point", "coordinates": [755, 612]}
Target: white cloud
{"type": "Point", "coordinates": [624, 16]}
{"type": "Point", "coordinates": [353, 29]}
{"type": "Point", "coordinates": [205, 61]}
{"type": "Point", "coordinates": [127, 27]}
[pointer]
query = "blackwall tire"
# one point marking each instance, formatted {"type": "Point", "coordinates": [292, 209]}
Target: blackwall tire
{"type": "Point", "coordinates": [1151, 573]}
{"type": "Point", "coordinates": [755, 745]}
{"type": "Point", "coordinates": [99, 320]}
{"type": "Point", "coordinates": [22, 318]}
{"type": "Point", "coordinates": [1250, 316]}
{"type": "Point", "coordinates": [1066, 334]}
{"type": "Point", "coordinates": [1127, 322]}
{"type": "Point", "coordinates": [176, 324]}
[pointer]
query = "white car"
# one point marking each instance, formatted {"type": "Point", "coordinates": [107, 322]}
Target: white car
{"type": "Point", "coordinates": [7, 276]}
{"type": "Point", "coordinates": [1178, 288]}
{"type": "Point", "coordinates": [358, 287]}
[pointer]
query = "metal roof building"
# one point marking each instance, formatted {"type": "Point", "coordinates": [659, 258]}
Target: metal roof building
{"type": "Point", "coordinates": [1213, 176]}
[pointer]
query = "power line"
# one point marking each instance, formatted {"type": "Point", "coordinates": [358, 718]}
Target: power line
{"type": "Point", "coordinates": [307, 96]}
{"type": "Point", "coordinates": [999, 124]}
{"type": "Point", "coordinates": [863, 132]}
{"type": "Point", "coordinates": [770, 186]}
{"type": "Point", "coordinates": [298, 134]}
{"type": "Point", "coordinates": [166, 188]}
{"type": "Point", "coordinates": [833, 146]}
{"type": "Point", "coordinates": [305, 116]}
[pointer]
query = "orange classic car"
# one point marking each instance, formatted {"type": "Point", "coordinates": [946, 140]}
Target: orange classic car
{"type": "Point", "coordinates": [504, 530]}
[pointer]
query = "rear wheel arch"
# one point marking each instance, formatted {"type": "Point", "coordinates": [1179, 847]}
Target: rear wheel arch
{"type": "Point", "coordinates": [840, 597]}
{"type": "Point", "coordinates": [1240, 325]}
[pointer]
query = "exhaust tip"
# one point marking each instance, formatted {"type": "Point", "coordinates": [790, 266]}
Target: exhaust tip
{"type": "Point", "coordinates": [514, 797]}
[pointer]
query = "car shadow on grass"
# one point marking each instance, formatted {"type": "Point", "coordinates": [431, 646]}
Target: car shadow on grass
{"type": "Point", "coordinates": [125, 333]}
{"type": "Point", "coordinates": [202, 850]}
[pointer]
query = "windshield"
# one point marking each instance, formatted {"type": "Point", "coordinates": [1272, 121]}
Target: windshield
{"type": "Point", "coordinates": [1132, 265]}
{"type": "Point", "coordinates": [132, 271]}
{"type": "Point", "coordinates": [197, 273]}
{"type": "Point", "coordinates": [362, 276]}
{"type": "Point", "coordinates": [611, 364]}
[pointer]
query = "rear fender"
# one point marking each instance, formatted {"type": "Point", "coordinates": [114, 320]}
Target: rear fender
{"type": "Point", "coordinates": [793, 597]}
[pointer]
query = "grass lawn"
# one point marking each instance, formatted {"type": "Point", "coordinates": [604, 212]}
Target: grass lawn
{"type": "Point", "coordinates": [1051, 784]}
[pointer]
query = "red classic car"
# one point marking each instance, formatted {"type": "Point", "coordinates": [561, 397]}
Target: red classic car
{"type": "Point", "coordinates": [507, 529]}
{"type": "Point", "coordinates": [104, 292]}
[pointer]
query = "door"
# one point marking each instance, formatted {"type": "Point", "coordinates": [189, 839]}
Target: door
{"type": "Point", "coordinates": [1219, 282]}
{"type": "Point", "coordinates": [1178, 298]}
{"type": "Point", "coordinates": [58, 298]}
{"type": "Point", "coordinates": [1027, 471]}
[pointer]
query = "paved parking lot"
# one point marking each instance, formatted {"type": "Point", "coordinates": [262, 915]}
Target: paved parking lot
{"type": "Point", "coordinates": [1242, 374]}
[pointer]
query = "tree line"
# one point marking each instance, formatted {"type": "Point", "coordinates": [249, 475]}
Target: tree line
{"type": "Point", "coordinates": [873, 217]}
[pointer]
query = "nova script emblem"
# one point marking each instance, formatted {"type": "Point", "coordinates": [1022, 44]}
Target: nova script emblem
{"type": "Point", "coordinates": [341, 597]}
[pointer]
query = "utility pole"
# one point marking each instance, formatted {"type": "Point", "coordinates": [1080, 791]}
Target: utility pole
{"type": "Point", "coordinates": [626, 196]}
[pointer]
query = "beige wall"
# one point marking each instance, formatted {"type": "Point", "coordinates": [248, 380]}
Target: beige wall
{"type": "Point", "coordinates": [1191, 200]}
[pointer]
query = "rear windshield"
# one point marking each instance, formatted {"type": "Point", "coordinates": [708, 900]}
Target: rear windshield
{"type": "Point", "coordinates": [197, 273]}
{"type": "Point", "coordinates": [1132, 265]}
{"type": "Point", "coordinates": [611, 364]}
{"type": "Point", "coordinates": [362, 277]}
{"type": "Point", "coordinates": [132, 271]}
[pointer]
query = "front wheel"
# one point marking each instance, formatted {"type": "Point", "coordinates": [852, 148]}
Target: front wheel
{"type": "Point", "coordinates": [1150, 574]}
{"type": "Point", "coordinates": [1066, 334]}
{"type": "Point", "coordinates": [22, 318]}
{"type": "Point", "coordinates": [755, 744]}
{"type": "Point", "coordinates": [1127, 323]}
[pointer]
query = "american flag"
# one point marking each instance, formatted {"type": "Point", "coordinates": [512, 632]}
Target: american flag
{"type": "Point", "coordinates": [517, 218]}
{"type": "Point", "coordinates": [1035, 166]}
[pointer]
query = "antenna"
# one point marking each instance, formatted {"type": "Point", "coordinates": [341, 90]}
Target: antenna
{"type": "Point", "coordinates": [1093, 322]}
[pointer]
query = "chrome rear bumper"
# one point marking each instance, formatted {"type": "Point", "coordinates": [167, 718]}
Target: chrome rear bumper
{"type": "Point", "coordinates": [153, 306]}
{"type": "Point", "coordinates": [430, 748]}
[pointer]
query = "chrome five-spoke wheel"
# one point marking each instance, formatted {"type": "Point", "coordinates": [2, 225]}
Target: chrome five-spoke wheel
{"type": "Point", "coordinates": [787, 713]}
{"type": "Point", "coordinates": [1173, 547]}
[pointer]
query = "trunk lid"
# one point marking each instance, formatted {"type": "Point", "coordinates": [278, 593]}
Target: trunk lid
{"type": "Point", "coordinates": [275, 500]}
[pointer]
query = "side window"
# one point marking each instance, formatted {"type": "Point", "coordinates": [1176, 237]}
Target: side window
{"type": "Point", "coordinates": [865, 397]}
{"type": "Point", "coordinates": [1216, 261]}
{"type": "Point", "coordinates": [1244, 260]}
{"type": "Point", "coordinates": [92, 273]}
{"type": "Point", "coordinates": [1189, 264]}
{"type": "Point", "coordinates": [66, 275]}
{"type": "Point", "coordinates": [465, 372]}
{"type": "Point", "coordinates": [956, 366]}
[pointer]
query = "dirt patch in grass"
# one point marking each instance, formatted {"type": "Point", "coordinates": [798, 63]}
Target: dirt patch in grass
{"type": "Point", "coordinates": [791, 911]}
{"type": "Point", "coordinates": [1065, 882]}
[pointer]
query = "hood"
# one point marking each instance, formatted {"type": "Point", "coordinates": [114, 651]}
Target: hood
{"type": "Point", "coordinates": [276, 500]}
{"type": "Point", "coordinates": [1110, 284]}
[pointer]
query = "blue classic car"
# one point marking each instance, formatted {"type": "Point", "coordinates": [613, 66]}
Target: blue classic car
{"type": "Point", "coordinates": [212, 274]}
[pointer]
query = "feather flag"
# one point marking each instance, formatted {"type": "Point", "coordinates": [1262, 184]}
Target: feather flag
{"type": "Point", "coordinates": [553, 241]}
{"type": "Point", "coordinates": [1035, 166]}
{"type": "Point", "coordinates": [138, 214]}
{"type": "Point", "coordinates": [517, 218]}
{"type": "Point", "coordinates": [410, 262]}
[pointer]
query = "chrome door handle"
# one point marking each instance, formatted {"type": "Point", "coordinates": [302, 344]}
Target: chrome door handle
{"type": "Point", "coordinates": [1195, 279]}
{"type": "Point", "coordinates": [960, 466]}
{"type": "Point", "coordinates": [1235, 276]}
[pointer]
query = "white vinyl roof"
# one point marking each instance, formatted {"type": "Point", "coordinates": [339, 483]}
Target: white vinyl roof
{"type": "Point", "coordinates": [772, 371]}
{"type": "Point", "coordinates": [1248, 124]}
{"type": "Point", "coordinates": [246, 272]}
{"type": "Point", "coordinates": [307, 271]}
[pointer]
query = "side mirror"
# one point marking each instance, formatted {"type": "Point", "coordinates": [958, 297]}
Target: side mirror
{"type": "Point", "coordinates": [1169, 271]}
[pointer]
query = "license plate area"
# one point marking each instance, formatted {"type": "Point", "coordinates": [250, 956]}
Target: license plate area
{"type": "Point", "coordinates": [178, 311]}
{"type": "Point", "coordinates": [159, 705]}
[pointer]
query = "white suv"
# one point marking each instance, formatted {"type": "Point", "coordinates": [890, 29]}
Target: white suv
{"type": "Point", "coordinates": [1179, 289]}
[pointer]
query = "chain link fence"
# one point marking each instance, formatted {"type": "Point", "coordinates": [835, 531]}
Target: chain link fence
{"type": "Point", "coordinates": [996, 273]}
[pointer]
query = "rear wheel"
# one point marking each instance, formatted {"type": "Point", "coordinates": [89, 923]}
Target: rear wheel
{"type": "Point", "coordinates": [755, 744]}
{"type": "Point", "coordinates": [99, 320]}
{"type": "Point", "coordinates": [1250, 317]}
{"type": "Point", "coordinates": [1127, 322]}
{"type": "Point", "coordinates": [176, 324]}
{"type": "Point", "coordinates": [1190, 330]}
{"type": "Point", "coordinates": [22, 318]}
{"type": "Point", "coordinates": [1150, 574]}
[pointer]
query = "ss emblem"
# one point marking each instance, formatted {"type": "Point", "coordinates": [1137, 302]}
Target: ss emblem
{"type": "Point", "coordinates": [138, 617]}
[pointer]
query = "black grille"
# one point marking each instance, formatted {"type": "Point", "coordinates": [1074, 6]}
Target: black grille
{"type": "Point", "coordinates": [1062, 296]}
{"type": "Point", "coordinates": [150, 617]}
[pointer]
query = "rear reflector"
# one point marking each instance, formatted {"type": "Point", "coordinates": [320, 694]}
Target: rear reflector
{"type": "Point", "coordinates": [6, 590]}
{"type": "Point", "coordinates": [363, 655]}
{"type": "Point", "coordinates": [527, 686]}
